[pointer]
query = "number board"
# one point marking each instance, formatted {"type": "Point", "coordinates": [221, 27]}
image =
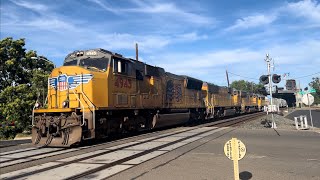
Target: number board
{"type": "Point", "coordinates": [123, 83]}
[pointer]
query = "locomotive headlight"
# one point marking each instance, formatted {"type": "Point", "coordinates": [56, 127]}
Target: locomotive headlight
{"type": "Point", "coordinates": [65, 104]}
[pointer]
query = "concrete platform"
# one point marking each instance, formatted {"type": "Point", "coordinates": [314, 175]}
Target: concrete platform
{"type": "Point", "coordinates": [282, 154]}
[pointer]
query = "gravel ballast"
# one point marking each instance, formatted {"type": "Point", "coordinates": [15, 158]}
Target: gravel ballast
{"type": "Point", "coordinates": [264, 122]}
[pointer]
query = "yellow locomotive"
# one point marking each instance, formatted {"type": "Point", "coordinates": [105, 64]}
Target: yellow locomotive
{"type": "Point", "coordinates": [97, 93]}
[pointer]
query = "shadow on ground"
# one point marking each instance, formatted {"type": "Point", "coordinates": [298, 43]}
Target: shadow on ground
{"type": "Point", "coordinates": [245, 175]}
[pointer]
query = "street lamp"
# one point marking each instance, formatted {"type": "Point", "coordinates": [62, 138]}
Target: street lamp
{"type": "Point", "coordinates": [43, 59]}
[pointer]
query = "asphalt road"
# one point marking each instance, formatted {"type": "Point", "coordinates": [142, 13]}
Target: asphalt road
{"type": "Point", "coordinates": [315, 116]}
{"type": "Point", "coordinates": [281, 154]}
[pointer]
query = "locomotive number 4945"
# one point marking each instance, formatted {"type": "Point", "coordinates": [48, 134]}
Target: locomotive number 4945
{"type": "Point", "coordinates": [123, 83]}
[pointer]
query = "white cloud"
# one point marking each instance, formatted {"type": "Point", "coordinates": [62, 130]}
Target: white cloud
{"type": "Point", "coordinates": [294, 47]}
{"type": "Point", "coordinates": [49, 23]}
{"type": "Point", "coordinates": [246, 62]}
{"type": "Point", "coordinates": [64, 31]}
{"type": "Point", "coordinates": [209, 59]}
{"type": "Point", "coordinates": [14, 18]}
{"type": "Point", "coordinates": [170, 9]}
{"type": "Point", "coordinates": [306, 51]}
{"type": "Point", "coordinates": [118, 41]}
{"type": "Point", "coordinates": [252, 21]}
{"type": "Point", "coordinates": [161, 9]}
{"type": "Point", "coordinates": [308, 9]}
{"type": "Point", "coordinates": [31, 5]}
{"type": "Point", "coordinates": [105, 6]}
{"type": "Point", "coordinates": [193, 36]}
{"type": "Point", "coordinates": [146, 42]}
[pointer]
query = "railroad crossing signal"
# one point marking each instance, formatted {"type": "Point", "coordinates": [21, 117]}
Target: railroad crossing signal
{"type": "Point", "coordinates": [276, 78]}
{"type": "Point", "coordinates": [235, 150]}
{"type": "Point", "coordinates": [264, 79]}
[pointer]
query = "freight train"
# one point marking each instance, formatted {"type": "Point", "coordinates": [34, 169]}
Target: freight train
{"type": "Point", "coordinates": [279, 102]}
{"type": "Point", "coordinates": [97, 93]}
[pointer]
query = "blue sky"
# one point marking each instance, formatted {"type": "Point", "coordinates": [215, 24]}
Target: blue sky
{"type": "Point", "coordinates": [200, 38]}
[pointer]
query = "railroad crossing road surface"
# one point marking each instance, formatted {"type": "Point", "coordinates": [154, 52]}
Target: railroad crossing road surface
{"type": "Point", "coordinates": [187, 153]}
{"type": "Point", "coordinates": [284, 154]}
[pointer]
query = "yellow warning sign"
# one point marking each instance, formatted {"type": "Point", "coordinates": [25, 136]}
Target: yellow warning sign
{"type": "Point", "coordinates": [234, 149]}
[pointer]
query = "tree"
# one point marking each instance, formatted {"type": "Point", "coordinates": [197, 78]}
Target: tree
{"type": "Point", "coordinates": [22, 80]}
{"type": "Point", "coordinates": [315, 84]}
{"type": "Point", "coordinates": [246, 86]}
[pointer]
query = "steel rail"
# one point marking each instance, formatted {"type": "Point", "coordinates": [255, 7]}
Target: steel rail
{"type": "Point", "coordinates": [225, 122]}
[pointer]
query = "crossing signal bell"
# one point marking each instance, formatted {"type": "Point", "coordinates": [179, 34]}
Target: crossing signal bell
{"type": "Point", "coordinates": [276, 78]}
{"type": "Point", "coordinates": [264, 79]}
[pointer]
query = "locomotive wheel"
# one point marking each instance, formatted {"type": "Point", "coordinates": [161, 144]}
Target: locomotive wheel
{"type": "Point", "coordinates": [202, 116]}
{"type": "Point", "coordinates": [193, 118]}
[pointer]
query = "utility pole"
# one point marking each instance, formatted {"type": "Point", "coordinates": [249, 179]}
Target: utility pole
{"type": "Point", "coordinates": [227, 78]}
{"type": "Point", "coordinates": [137, 52]}
{"type": "Point", "coordinates": [310, 111]}
{"type": "Point", "coordinates": [252, 87]}
{"type": "Point", "coordinates": [268, 60]}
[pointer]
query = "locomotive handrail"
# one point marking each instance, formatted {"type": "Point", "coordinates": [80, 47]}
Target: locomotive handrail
{"type": "Point", "coordinates": [47, 97]}
{"type": "Point", "coordinates": [94, 108]}
{"type": "Point", "coordinates": [83, 122]}
{"type": "Point", "coordinates": [208, 105]}
{"type": "Point", "coordinates": [32, 123]}
{"type": "Point", "coordinates": [93, 111]}
{"type": "Point", "coordinates": [45, 101]}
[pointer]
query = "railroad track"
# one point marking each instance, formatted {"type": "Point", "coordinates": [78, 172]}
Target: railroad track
{"type": "Point", "coordinates": [237, 120]}
{"type": "Point", "coordinates": [106, 159]}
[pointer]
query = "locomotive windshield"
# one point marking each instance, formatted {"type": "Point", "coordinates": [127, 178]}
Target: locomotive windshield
{"type": "Point", "coordinates": [71, 63]}
{"type": "Point", "coordinates": [100, 63]}
{"type": "Point", "coordinates": [90, 63]}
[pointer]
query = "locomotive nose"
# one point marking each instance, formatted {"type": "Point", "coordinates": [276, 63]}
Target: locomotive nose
{"type": "Point", "coordinates": [65, 84]}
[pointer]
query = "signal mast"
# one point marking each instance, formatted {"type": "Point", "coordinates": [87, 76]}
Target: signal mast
{"type": "Point", "coordinates": [268, 60]}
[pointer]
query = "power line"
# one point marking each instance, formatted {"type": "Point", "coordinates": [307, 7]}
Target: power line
{"type": "Point", "coordinates": [258, 79]}
{"type": "Point", "coordinates": [306, 75]}
{"type": "Point", "coordinates": [242, 76]}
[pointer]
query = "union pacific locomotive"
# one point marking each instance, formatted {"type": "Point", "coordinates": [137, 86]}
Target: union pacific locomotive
{"type": "Point", "coordinates": [97, 93]}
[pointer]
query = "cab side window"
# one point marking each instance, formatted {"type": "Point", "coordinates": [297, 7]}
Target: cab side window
{"type": "Point", "coordinates": [122, 66]}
